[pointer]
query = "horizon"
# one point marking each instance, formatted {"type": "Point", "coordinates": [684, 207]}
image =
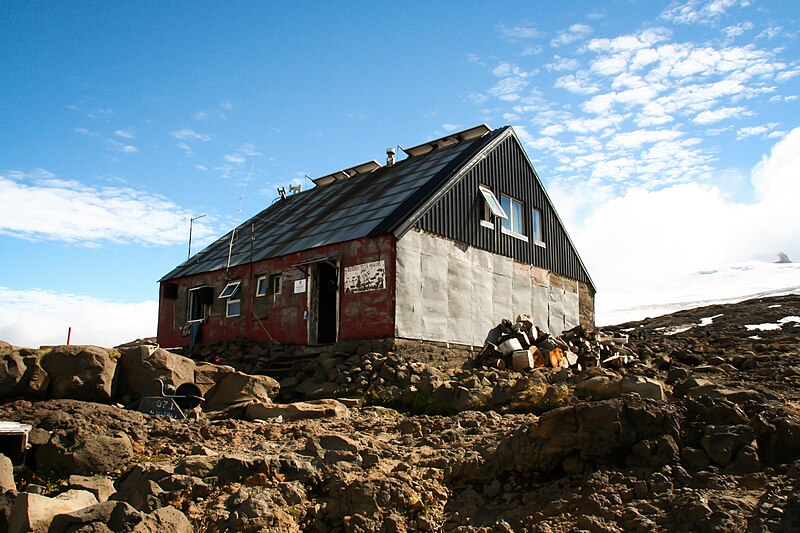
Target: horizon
{"type": "Point", "coordinates": [666, 133]}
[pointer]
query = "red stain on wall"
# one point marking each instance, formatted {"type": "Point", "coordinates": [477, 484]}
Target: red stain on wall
{"type": "Point", "coordinates": [362, 315]}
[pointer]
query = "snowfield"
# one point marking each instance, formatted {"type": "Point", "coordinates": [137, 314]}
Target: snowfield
{"type": "Point", "coordinates": [726, 284]}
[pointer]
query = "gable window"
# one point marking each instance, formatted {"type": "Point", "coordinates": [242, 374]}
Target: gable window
{"type": "Point", "coordinates": [197, 308]}
{"type": "Point", "coordinates": [513, 225]}
{"type": "Point", "coordinates": [491, 207]}
{"type": "Point", "coordinates": [536, 227]}
{"type": "Point", "coordinates": [233, 306]}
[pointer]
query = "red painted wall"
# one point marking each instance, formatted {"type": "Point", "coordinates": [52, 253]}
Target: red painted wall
{"type": "Point", "coordinates": [362, 315]}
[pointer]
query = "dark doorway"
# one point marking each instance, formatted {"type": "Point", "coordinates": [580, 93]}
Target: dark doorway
{"type": "Point", "coordinates": [327, 291]}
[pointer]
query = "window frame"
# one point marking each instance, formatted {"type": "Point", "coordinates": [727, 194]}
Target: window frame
{"type": "Point", "coordinates": [491, 207]}
{"type": "Point", "coordinates": [231, 294]}
{"type": "Point", "coordinates": [259, 279]}
{"type": "Point", "coordinates": [191, 297]}
{"type": "Point", "coordinates": [538, 240]}
{"type": "Point", "coordinates": [511, 231]}
{"type": "Point", "coordinates": [271, 285]}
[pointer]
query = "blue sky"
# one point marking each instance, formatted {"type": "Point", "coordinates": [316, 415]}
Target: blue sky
{"type": "Point", "coordinates": [665, 132]}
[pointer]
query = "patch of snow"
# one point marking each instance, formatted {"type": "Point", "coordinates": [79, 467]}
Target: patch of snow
{"type": "Point", "coordinates": [774, 306]}
{"type": "Point", "coordinates": [708, 320]}
{"type": "Point", "coordinates": [767, 326]}
{"type": "Point", "coordinates": [726, 284]}
{"type": "Point", "coordinates": [755, 337]}
{"type": "Point", "coordinates": [787, 319]}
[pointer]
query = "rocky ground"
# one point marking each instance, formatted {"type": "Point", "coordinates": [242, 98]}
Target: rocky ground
{"type": "Point", "coordinates": [700, 433]}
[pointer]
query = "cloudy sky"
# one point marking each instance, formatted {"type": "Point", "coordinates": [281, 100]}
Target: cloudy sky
{"type": "Point", "coordinates": [667, 133]}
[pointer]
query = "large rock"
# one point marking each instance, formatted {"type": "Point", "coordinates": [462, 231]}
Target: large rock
{"type": "Point", "coordinates": [206, 375]}
{"type": "Point", "coordinates": [12, 369]}
{"type": "Point", "coordinates": [6, 474]}
{"type": "Point", "coordinates": [101, 518]}
{"type": "Point", "coordinates": [643, 386]}
{"type": "Point", "coordinates": [101, 486]}
{"type": "Point", "coordinates": [140, 365]}
{"type": "Point", "coordinates": [298, 410]}
{"type": "Point", "coordinates": [237, 389]}
{"type": "Point", "coordinates": [79, 373]}
{"type": "Point", "coordinates": [164, 519]}
{"type": "Point", "coordinates": [86, 453]}
{"type": "Point", "coordinates": [34, 512]}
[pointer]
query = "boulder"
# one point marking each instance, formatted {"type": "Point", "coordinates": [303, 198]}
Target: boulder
{"type": "Point", "coordinates": [206, 375]}
{"type": "Point", "coordinates": [34, 513]}
{"type": "Point", "coordinates": [164, 519]}
{"type": "Point", "coordinates": [102, 517]}
{"type": "Point", "coordinates": [643, 386]}
{"type": "Point", "coordinates": [101, 486]}
{"type": "Point", "coordinates": [89, 454]}
{"type": "Point", "coordinates": [599, 387]}
{"type": "Point", "coordinates": [6, 474]}
{"type": "Point", "coordinates": [140, 365]}
{"type": "Point", "coordinates": [238, 389]}
{"type": "Point", "coordinates": [298, 410]}
{"type": "Point", "coordinates": [12, 369]}
{"type": "Point", "coordinates": [35, 381]}
{"type": "Point", "coordinates": [79, 373]}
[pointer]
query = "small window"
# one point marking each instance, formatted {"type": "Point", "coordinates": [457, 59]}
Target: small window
{"type": "Point", "coordinates": [261, 286]}
{"type": "Point", "coordinates": [536, 227]}
{"type": "Point", "coordinates": [233, 307]}
{"type": "Point", "coordinates": [230, 289]}
{"type": "Point", "coordinates": [275, 283]}
{"type": "Point", "coordinates": [491, 207]}
{"type": "Point", "coordinates": [513, 225]}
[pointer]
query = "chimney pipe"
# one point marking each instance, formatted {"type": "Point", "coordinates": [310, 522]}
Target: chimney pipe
{"type": "Point", "coordinates": [389, 157]}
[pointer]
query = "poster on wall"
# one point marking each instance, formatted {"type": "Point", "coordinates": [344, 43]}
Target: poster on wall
{"type": "Point", "coordinates": [365, 277]}
{"type": "Point", "coordinates": [300, 286]}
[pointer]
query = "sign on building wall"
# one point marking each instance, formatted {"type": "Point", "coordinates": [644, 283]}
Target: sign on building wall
{"type": "Point", "coordinates": [299, 286]}
{"type": "Point", "coordinates": [365, 277]}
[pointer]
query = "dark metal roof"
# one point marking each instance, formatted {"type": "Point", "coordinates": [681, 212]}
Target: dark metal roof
{"type": "Point", "coordinates": [367, 204]}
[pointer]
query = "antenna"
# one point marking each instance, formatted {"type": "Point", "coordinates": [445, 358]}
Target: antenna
{"type": "Point", "coordinates": [236, 220]}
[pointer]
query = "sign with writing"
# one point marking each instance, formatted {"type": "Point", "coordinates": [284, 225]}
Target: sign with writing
{"type": "Point", "coordinates": [300, 286]}
{"type": "Point", "coordinates": [160, 406]}
{"type": "Point", "coordinates": [365, 277]}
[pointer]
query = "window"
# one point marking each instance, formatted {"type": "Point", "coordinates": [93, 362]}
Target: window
{"type": "Point", "coordinates": [491, 207]}
{"type": "Point", "coordinates": [230, 289]}
{"type": "Point", "coordinates": [268, 284]}
{"type": "Point", "coordinates": [513, 225]}
{"type": "Point", "coordinates": [233, 306]}
{"type": "Point", "coordinates": [275, 283]}
{"type": "Point", "coordinates": [199, 298]}
{"type": "Point", "coordinates": [261, 285]}
{"type": "Point", "coordinates": [536, 227]}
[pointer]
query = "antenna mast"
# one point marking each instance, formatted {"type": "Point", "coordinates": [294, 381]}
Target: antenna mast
{"type": "Point", "coordinates": [236, 221]}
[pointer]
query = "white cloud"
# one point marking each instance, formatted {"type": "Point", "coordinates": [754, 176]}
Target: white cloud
{"type": "Point", "coordinates": [237, 159]}
{"type": "Point", "coordinates": [249, 149]}
{"type": "Point", "coordinates": [125, 134]}
{"type": "Point", "coordinates": [129, 149]}
{"type": "Point", "coordinates": [508, 89]}
{"type": "Point", "coordinates": [750, 131]}
{"type": "Point", "coordinates": [562, 63]}
{"type": "Point", "coordinates": [32, 318]}
{"type": "Point", "coordinates": [716, 115]}
{"type": "Point", "coordinates": [519, 32]}
{"type": "Point", "coordinates": [201, 168]}
{"type": "Point", "coordinates": [635, 139]}
{"type": "Point", "coordinates": [121, 147]}
{"type": "Point", "coordinates": [687, 227]}
{"type": "Point", "coordinates": [449, 127]}
{"type": "Point", "coordinates": [88, 133]}
{"type": "Point", "coordinates": [227, 105]}
{"type": "Point", "coordinates": [38, 206]}
{"type": "Point", "coordinates": [576, 32]}
{"type": "Point", "coordinates": [188, 134]}
{"type": "Point", "coordinates": [186, 148]}
{"type": "Point", "coordinates": [697, 12]}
